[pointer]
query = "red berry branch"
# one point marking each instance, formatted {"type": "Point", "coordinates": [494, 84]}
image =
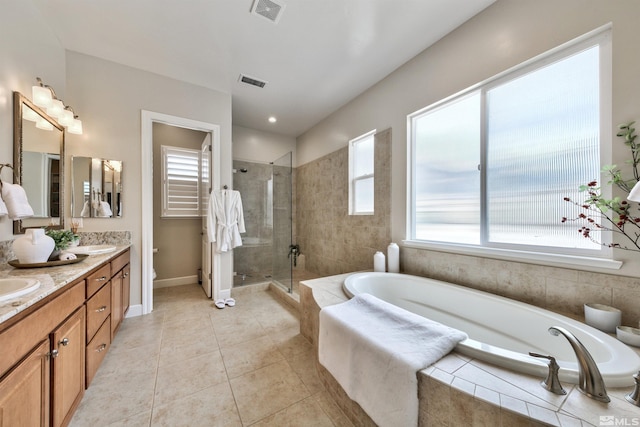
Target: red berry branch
{"type": "Point", "coordinates": [616, 211]}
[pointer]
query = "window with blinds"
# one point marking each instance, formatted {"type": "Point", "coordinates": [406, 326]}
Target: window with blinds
{"type": "Point", "coordinates": [181, 182]}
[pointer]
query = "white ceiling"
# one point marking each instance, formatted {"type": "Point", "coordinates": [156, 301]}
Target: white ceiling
{"type": "Point", "coordinates": [320, 55]}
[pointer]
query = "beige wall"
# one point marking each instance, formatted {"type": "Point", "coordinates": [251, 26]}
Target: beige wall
{"type": "Point", "coordinates": [109, 98]}
{"type": "Point", "coordinates": [178, 240]}
{"type": "Point", "coordinates": [504, 35]}
{"type": "Point", "coordinates": [28, 50]}
{"type": "Point", "coordinates": [252, 145]}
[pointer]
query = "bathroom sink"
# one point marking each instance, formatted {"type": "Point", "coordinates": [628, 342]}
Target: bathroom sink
{"type": "Point", "coordinates": [91, 249]}
{"type": "Point", "coordinates": [15, 287]}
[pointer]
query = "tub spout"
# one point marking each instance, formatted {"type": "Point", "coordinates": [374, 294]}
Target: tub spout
{"type": "Point", "coordinates": [590, 380]}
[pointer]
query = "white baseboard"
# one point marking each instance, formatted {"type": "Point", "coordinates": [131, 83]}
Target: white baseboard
{"type": "Point", "coordinates": [175, 281]}
{"type": "Point", "coordinates": [134, 310]}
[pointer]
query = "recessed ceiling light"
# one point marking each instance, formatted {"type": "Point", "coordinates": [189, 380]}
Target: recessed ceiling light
{"type": "Point", "coordinates": [272, 119]}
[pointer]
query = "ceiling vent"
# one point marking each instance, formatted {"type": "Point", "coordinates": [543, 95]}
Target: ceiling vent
{"type": "Point", "coordinates": [251, 81]}
{"type": "Point", "coordinates": [268, 9]}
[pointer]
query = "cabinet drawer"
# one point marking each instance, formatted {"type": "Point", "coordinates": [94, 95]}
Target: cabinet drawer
{"type": "Point", "coordinates": [119, 262]}
{"type": "Point", "coordinates": [98, 309]}
{"type": "Point", "coordinates": [97, 349]}
{"type": "Point", "coordinates": [97, 279]}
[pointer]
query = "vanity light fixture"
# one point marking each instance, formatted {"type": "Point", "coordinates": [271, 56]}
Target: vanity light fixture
{"type": "Point", "coordinates": [45, 97]}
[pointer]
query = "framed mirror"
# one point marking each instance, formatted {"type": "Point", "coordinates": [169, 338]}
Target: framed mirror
{"type": "Point", "coordinates": [96, 188]}
{"type": "Point", "coordinates": [38, 160]}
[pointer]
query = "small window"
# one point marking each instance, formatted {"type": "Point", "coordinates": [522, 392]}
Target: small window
{"type": "Point", "coordinates": [181, 182]}
{"type": "Point", "coordinates": [361, 170]}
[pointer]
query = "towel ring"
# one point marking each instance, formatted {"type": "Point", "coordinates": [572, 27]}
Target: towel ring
{"type": "Point", "coordinates": [2, 166]}
{"type": "Point", "coordinates": [8, 165]}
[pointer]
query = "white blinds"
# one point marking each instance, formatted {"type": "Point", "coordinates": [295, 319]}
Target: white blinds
{"type": "Point", "coordinates": [181, 183]}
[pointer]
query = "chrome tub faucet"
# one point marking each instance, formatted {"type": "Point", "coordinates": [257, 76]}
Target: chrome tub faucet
{"type": "Point", "coordinates": [590, 380]}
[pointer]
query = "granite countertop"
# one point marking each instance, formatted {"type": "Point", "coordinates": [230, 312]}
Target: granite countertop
{"type": "Point", "coordinates": [51, 279]}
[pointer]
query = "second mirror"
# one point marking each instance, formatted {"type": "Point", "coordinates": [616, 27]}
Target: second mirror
{"type": "Point", "coordinates": [96, 188]}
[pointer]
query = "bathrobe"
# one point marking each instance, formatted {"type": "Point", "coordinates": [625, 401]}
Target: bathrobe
{"type": "Point", "coordinates": [225, 219]}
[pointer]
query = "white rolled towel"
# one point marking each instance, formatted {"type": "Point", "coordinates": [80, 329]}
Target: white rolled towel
{"type": "Point", "coordinates": [3, 208]}
{"type": "Point", "coordinates": [66, 256]}
{"type": "Point", "coordinates": [16, 200]}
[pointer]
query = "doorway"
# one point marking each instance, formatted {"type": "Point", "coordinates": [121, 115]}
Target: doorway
{"type": "Point", "coordinates": [147, 121]}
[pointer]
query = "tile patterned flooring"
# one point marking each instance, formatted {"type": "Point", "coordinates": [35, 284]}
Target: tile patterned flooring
{"type": "Point", "coordinates": [191, 364]}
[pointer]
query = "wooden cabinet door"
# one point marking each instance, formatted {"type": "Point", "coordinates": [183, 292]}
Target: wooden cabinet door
{"type": "Point", "coordinates": [68, 359]}
{"type": "Point", "coordinates": [126, 289]}
{"type": "Point", "coordinates": [116, 303]}
{"type": "Point", "coordinates": [24, 392]}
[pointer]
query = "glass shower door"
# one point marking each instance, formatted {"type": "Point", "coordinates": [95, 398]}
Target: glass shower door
{"type": "Point", "coordinates": [282, 221]}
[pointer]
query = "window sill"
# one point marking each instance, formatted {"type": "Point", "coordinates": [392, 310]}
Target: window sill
{"type": "Point", "coordinates": [556, 260]}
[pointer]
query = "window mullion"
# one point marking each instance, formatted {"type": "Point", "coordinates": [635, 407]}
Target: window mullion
{"type": "Point", "coordinates": [482, 168]}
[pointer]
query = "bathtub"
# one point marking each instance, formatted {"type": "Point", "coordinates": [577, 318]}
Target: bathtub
{"type": "Point", "coordinates": [501, 331]}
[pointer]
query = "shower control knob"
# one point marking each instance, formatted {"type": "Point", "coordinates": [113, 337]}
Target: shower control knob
{"type": "Point", "coordinates": [552, 382]}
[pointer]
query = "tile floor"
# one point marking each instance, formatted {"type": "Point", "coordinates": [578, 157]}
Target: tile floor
{"type": "Point", "coordinates": [190, 364]}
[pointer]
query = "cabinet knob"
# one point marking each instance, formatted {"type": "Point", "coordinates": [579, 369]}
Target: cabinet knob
{"type": "Point", "coordinates": [53, 354]}
{"type": "Point", "coordinates": [101, 348]}
{"type": "Point", "coordinates": [64, 342]}
{"type": "Point", "coordinates": [126, 274]}
{"type": "Point", "coordinates": [101, 279]}
{"type": "Point", "coordinates": [101, 309]}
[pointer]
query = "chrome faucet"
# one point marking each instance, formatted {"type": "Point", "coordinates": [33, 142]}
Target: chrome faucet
{"type": "Point", "coordinates": [590, 380]}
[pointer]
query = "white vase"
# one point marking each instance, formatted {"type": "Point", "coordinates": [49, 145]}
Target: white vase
{"type": "Point", "coordinates": [379, 262]}
{"type": "Point", "coordinates": [393, 258]}
{"type": "Point", "coordinates": [34, 247]}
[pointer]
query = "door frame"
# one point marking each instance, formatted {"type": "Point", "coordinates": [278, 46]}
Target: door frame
{"type": "Point", "coordinates": [147, 120]}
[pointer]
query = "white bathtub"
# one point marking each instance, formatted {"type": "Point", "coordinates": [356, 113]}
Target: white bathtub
{"type": "Point", "coordinates": [501, 331]}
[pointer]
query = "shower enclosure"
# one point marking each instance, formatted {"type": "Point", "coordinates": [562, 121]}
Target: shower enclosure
{"type": "Point", "coordinates": [266, 191]}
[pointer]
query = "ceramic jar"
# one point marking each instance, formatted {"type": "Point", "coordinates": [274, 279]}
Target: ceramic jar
{"type": "Point", "coordinates": [34, 247]}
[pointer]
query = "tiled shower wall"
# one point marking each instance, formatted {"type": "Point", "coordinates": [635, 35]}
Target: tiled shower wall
{"type": "Point", "coordinates": [253, 258]}
{"type": "Point", "coordinates": [333, 241]}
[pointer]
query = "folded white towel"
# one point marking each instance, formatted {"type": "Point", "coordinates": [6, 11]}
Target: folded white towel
{"type": "Point", "coordinates": [16, 200]}
{"type": "Point", "coordinates": [3, 208]}
{"type": "Point", "coordinates": [375, 349]}
{"type": "Point", "coordinates": [66, 256]}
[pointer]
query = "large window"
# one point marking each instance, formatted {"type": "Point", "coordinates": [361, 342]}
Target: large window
{"type": "Point", "coordinates": [361, 174]}
{"type": "Point", "coordinates": [491, 166]}
{"type": "Point", "coordinates": [181, 182]}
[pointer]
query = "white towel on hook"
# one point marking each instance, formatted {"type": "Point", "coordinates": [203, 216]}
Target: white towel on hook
{"type": "Point", "coordinates": [3, 208]}
{"type": "Point", "coordinates": [86, 210]}
{"type": "Point", "coordinates": [15, 198]}
{"type": "Point", "coordinates": [104, 210]}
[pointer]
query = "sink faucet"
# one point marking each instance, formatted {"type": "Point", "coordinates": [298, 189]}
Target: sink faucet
{"type": "Point", "coordinates": [590, 380]}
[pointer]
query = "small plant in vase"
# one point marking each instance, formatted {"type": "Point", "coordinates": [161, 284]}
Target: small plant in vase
{"type": "Point", "coordinates": [62, 239]}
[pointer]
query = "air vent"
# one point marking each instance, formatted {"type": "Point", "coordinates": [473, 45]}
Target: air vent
{"type": "Point", "coordinates": [268, 9]}
{"type": "Point", "coordinates": [252, 81]}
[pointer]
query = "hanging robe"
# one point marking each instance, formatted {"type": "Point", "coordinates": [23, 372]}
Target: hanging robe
{"type": "Point", "coordinates": [225, 219]}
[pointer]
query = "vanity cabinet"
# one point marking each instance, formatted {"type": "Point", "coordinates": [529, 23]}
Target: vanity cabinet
{"type": "Point", "coordinates": [119, 290]}
{"type": "Point", "coordinates": [67, 370]}
{"type": "Point", "coordinates": [50, 352]}
{"type": "Point", "coordinates": [24, 392]}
